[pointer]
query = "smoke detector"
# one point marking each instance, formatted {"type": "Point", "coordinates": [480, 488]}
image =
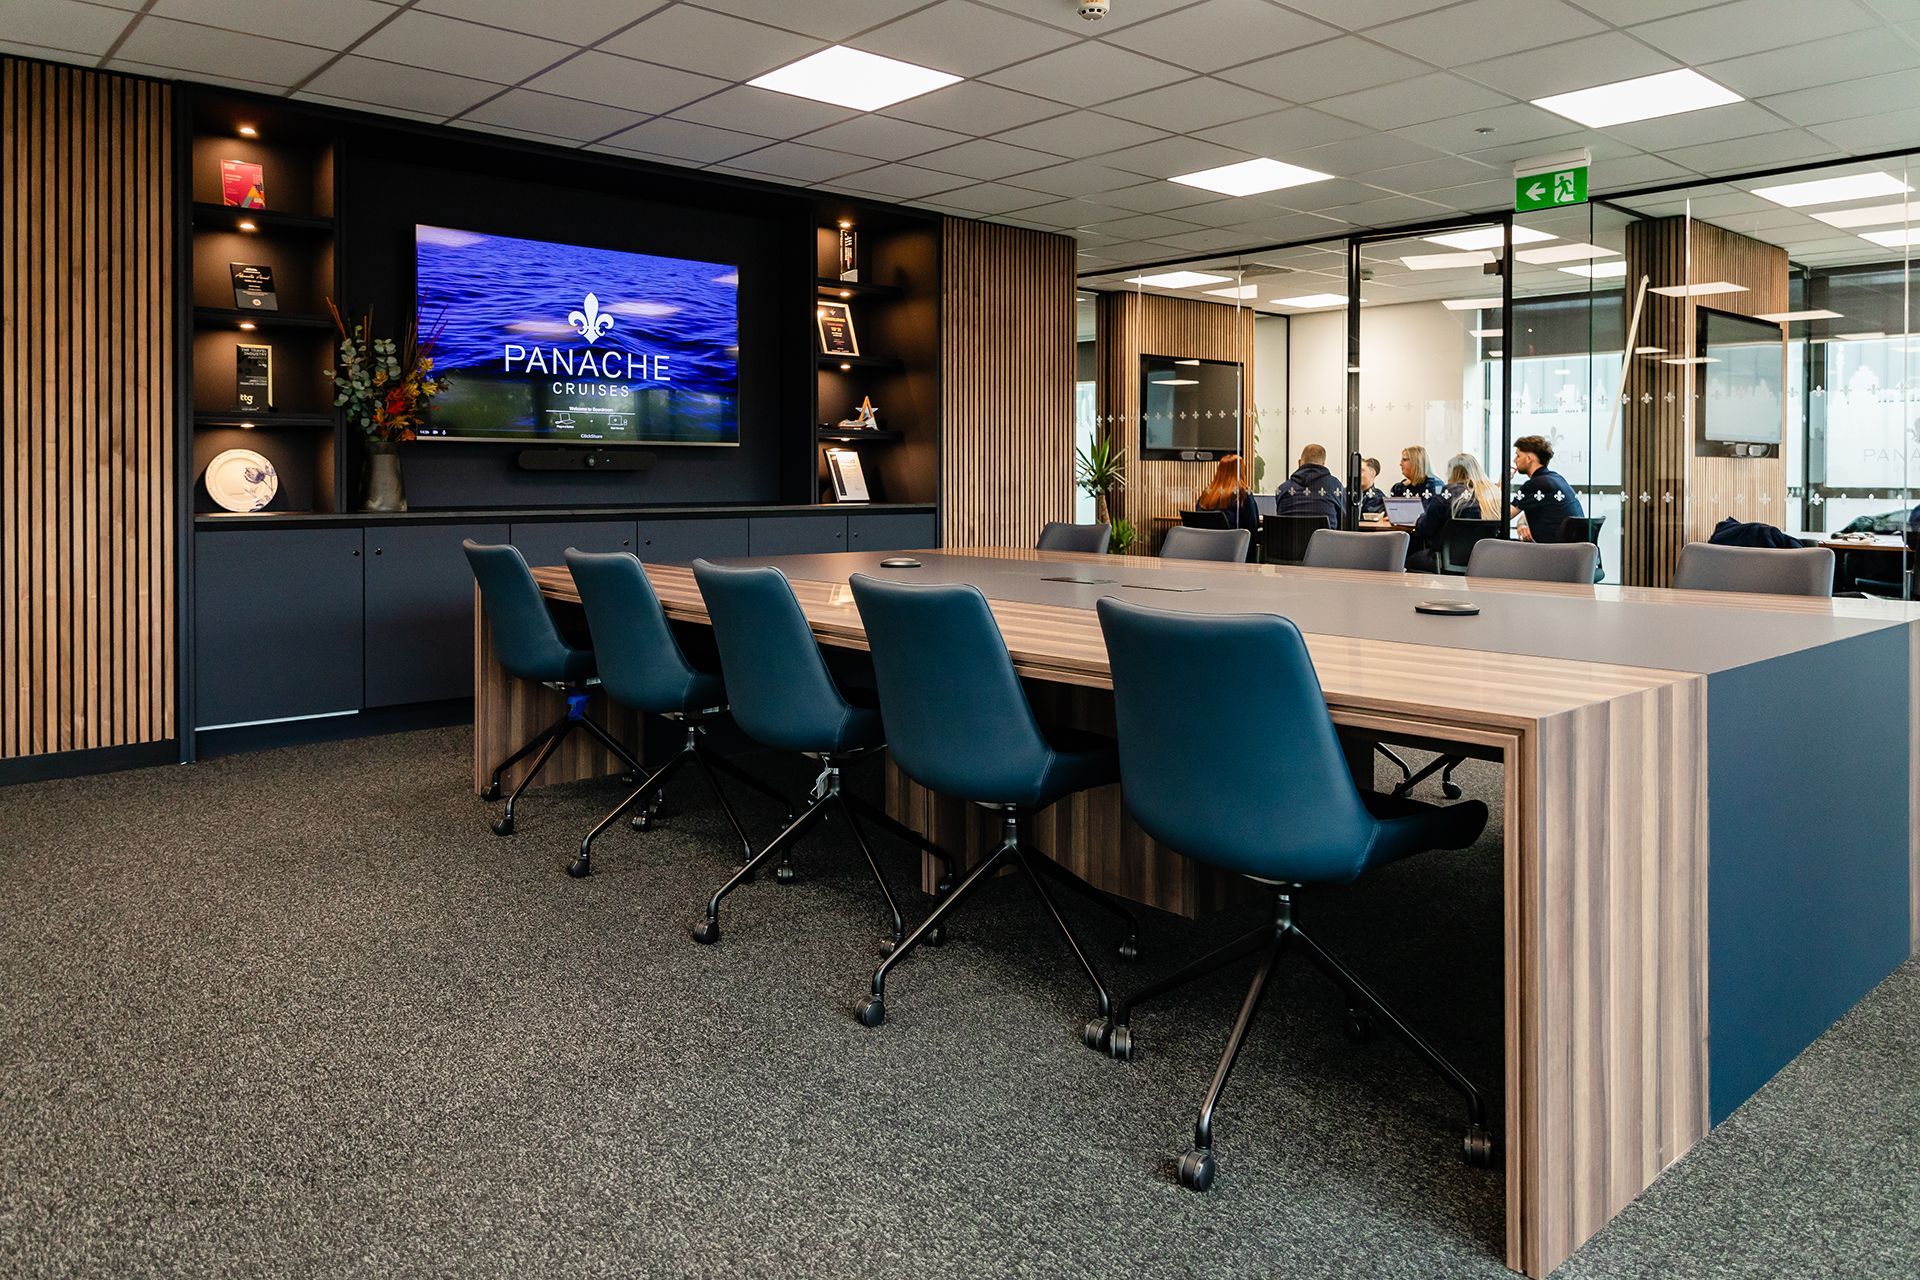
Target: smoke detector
{"type": "Point", "coordinates": [1093, 10]}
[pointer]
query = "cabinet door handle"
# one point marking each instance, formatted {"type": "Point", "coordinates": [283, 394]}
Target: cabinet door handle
{"type": "Point", "coordinates": [356, 551]}
{"type": "Point", "coordinates": [379, 551]}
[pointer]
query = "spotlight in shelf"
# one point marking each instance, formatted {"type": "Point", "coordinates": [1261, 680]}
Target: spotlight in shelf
{"type": "Point", "coordinates": [845, 367]}
{"type": "Point", "coordinates": [247, 224]}
{"type": "Point", "coordinates": [248, 325]}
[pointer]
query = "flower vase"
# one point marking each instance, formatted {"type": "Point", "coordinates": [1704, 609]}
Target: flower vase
{"type": "Point", "coordinates": [385, 491]}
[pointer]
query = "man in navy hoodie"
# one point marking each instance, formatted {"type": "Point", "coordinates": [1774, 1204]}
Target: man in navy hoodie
{"type": "Point", "coordinates": [1311, 490]}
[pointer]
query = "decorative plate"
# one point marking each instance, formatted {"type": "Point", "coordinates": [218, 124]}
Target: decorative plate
{"type": "Point", "coordinates": [241, 480]}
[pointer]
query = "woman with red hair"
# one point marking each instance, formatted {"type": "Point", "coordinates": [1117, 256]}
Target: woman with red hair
{"type": "Point", "coordinates": [1228, 492]}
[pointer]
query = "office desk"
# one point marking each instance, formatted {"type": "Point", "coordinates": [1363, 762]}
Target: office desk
{"type": "Point", "coordinates": [1885, 542]}
{"type": "Point", "coordinates": [1690, 844]}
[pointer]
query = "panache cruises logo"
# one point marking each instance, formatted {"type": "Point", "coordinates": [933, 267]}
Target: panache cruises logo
{"type": "Point", "coordinates": [606, 370]}
{"type": "Point", "coordinates": [590, 322]}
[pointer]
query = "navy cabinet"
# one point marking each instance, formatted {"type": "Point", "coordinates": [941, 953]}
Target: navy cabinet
{"type": "Point", "coordinates": [797, 535]}
{"type": "Point", "coordinates": [892, 531]}
{"type": "Point", "coordinates": [546, 542]}
{"type": "Point", "coordinates": [419, 634]}
{"type": "Point", "coordinates": [279, 624]}
{"type": "Point", "coordinates": [679, 541]}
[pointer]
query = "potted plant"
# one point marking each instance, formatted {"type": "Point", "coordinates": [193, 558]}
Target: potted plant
{"type": "Point", "coordinates": [1099, 470]}
{"type": "Point", "coordinates": [386, 386]}
{"type": "Point", "coordinates": [1121, 538]}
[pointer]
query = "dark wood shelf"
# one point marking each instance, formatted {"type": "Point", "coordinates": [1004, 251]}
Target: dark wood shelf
{"type": "Point", "coordinates": [225, 217]}
{"type": "Point", "coordinates": [855, 289]}
{"type": "Point", "coordinates": [265, 418]}
{"type": "Point", "coordinates": [862, 362]}
{"type": "Point", "coordinates": [230, 317]}
{"type": "Point", "coordinates": [828, 435]}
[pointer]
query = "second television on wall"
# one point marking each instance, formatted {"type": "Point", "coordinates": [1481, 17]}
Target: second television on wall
{"type": "Point", "coordinates": [548, 343]}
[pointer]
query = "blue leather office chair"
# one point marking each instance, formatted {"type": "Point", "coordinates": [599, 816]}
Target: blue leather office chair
{"type": "Point", "coordinates": [530, 647]}
{"type": "Point", "coordinates": [959, 723]}
{"type": "Point", "coordinates": [642, 667]}
{"type": "Point", "coordinates": [784, 697]}
{"type": "Point", "coordinates": [1184, 542]}
{"type": "Point", "coordinates": [1268, 796]}
{"type": "Point", "coordinates": [1382, 552]}
{"type": "Point", "coordinates": [1060, 536]}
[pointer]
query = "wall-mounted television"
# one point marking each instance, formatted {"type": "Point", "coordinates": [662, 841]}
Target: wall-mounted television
{"type": "Point", "coordinates": [547, 343]}
{"type": "Point", "coordinates": [1742, 384]}
{"type": "Point", "coordinates": [1189, 408]}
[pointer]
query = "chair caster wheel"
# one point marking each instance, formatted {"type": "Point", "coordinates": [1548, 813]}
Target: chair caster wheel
{"type": "Point", "coordinates": [784, 874]}
{"type": "Point", "coordinates": [1476, 1148]}
{"type": "Point", "coordinates": [1129, 950]}
{"type": "Point", "coordinates": [643, 821]}
{"type": "Point", "coordinates": [887, 945]}
{"type": "Point", "coordinates": [1358, 1026]}
{"type": "Point", "coordinates": [707, 932]}
{"type": "Point", "coordinates": [1195, 1170]}
{"type": "Point", "coordinates": [1451, 790]}
{"type": "Point", "coordinates": [503, 826]}
{"type": "Point", "coordinates": [873, 1012]}
{"type": "Point", "coordinates": [935, 936]}
{"type": "Point", "coordinates": [492, 793]}
{"type": "Point", "coordinates": [579, 867]}
{"type": "Point", "coordinates": [1094, 1034]}
{"type": "Point", "coordinates": [1120, 1045]}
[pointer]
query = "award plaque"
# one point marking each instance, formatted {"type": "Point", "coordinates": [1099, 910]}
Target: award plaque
{"type": "Point", "coordinates": [849, 481]}
{"type": "Point", "coordinates": [849, 256]}
{"type": "Point", "coordinates": [254, 385]}
{"type": "Point", "coordinates": [253, 287]}
{"type": "Point", "coordinates": [836, 330]}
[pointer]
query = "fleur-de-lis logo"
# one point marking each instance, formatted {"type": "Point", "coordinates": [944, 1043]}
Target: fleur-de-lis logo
{"type": "Point", "coordinates": [591, 322]}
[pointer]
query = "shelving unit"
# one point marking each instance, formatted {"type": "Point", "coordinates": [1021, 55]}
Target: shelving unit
{"type": "Point", "coordinates": [295, 238]}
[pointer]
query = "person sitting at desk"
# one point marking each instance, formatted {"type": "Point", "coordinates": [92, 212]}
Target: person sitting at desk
{"type": "Point", "coordinates": [1416, 475]}
{"type": "Point", "coordinates": [1226, 492]}
{"type": "Point", "coordinates": [1469, 494]}
{"type": "Point", "coordinates": [1373, 502]}
{"type": "Point", "coordinates": [1546, 499]}
{"type": "Point", "coordinates": [1311, 490]}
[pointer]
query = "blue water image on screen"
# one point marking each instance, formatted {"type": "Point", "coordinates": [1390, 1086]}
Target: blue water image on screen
{"type": "Point", "coordinates": [560, 343]}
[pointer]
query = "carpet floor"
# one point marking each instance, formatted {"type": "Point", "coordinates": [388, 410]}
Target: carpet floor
{"type": "Point", "coordinates": [298, 1012]}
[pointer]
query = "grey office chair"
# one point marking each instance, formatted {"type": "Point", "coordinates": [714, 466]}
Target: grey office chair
{"type": "Point", "coordinates": [1534, 561]}
{"type": "Point", "coordinates": [1768, 570]}
{"type": "Point", "coordinates": [1060, 536]}
{"type": "Point", "coordinates": [1338, 549]}
{"type": "Point", "coordinates": [1186, 543]}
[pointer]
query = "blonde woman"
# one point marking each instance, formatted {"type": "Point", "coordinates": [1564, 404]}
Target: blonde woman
{"type": "Point", "coordinates": [1416, 475]}
{"type": "Point", "coordinates": [1468, 495]}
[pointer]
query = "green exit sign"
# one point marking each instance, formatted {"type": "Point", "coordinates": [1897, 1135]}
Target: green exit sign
{"type": "Point", "coordinates": [1550, 188]}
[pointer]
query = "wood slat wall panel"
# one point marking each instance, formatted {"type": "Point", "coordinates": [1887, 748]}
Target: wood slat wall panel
{"type": "Point", "coordinates": [1006, 382]}
{"type": "Point", "coordinates": [1133, 325]}
{"type": "Point", "coordinates": [87, 568]}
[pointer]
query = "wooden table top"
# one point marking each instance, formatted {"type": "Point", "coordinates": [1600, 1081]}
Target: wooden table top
{"type": "Point", "coordinates": [1870, 542]}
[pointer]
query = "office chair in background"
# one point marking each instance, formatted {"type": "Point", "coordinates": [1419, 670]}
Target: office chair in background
{"type": "Point", "coordinates": [1706, 567]}
{"type": "Point", "coordinates": [1283, 539]}
{"type": "Point", "coordinates": [1188, 543]}
{"type": "Point", "coordinates": [1461, 536]}
{"type": "Point", "coordinates": [1384, 552]}
{"type": "Point", "coordinates": [1209, 519]}
{"type": "Point", "coordinates": [1586, 529]}
{"type": "Point", "coordinates": [1060, 536]}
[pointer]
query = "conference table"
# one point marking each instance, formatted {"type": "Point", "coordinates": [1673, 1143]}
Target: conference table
{"type": "Point", "coordinates": [1711, 810]}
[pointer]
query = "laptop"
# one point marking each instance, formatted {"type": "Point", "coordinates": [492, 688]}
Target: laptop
{"type": "Point", "coordinates": [1266, 504]}
{"type": "Point", "coordinates": [1405, 510]}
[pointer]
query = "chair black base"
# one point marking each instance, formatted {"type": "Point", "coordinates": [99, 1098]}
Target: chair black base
{"type": "Point", "coordinates": [1195, 1169]}
{"type": "Point", "coordinates": [546, 742]}
{"type": "Point", "coordinates": [1442, 765]}
{"type": "Point", "coordinates": [827, 799]}
{"type": "Point", "coordinates": [652, 786]}
{"type": "Point", "coordinates": [1036, 864]}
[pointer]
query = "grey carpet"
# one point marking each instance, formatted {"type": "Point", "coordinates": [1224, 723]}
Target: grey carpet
{"type": "Point", "coordinates": [298, 1012]}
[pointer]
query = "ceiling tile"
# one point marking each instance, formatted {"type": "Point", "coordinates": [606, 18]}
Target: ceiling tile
{"type": "Point", "coordinates": [714, 44]}
{"type": "Point", "coordinates": [418, 39]}
{"type": "Point", "coordinates": [1481, 29]}
{"type": "Point", "coordinates": [1386, 210]}
{"type": "Point", "coordinates": [1747, 26]}
{"type": "Point", "coordinates": [1081, 133]}
{"type": "Point", "coordinates": [1880, 132]}
{"type": "Point", "coordinates": [684, 140]}
{"type": "Point", "coordinates": [961, 37]}
{"type": "Point", "coordinates": [1734, 120]}
{"type": "Point", "coordinates": [1846, 99]}
{"type": "Point", "coordinates": [882, 137]}
{"type": "Point", "coordinates": [1170, 157]}
{"type": "Point", "coordinates": [985, 158]}
{"type": "Point", "coordinates": [1781, 146]}
{"type": "Point", "coordinates": [1622, 13]}
{"type": "Point", "coordinates": [1343, 65]}
{"type": "Point", "coordinates": [799, 161]}
{"type": "Point", "coordinates": [1412, 101]}
{"type": "Point", "coordinates": [333, 24]}
{"type": "Point", "coordinates": [414, 88]}
{"type": "Point", "coordinates": [1229, 212]}
{"type": "Point", "coordinates": [66, 24]}
{"type": "Point", "coordinates": [1221, 33]}
{"type": "Point", "coordinates": [974, 108]}
{"type": "Point", "coordinates": [1561, 68]}
{"type": "Point", "coordinates": [1158, 197]}
{"type": "Point", "coordinates": [1087, 73]}
{"type": "Point", "coordinates": [1802, 66]}
{"type": "Point", "coordinates": [1516, 123]}
{"type": "Point", "coordinates": [576, 21]}
{"type": "Point", "coordinates": [1071, 213]}
{"type": "Point", "coordinates": [1280, 132]}
{"type": "Point", "coordinates": [552, 115]}
{"type": "Point", "coordinates": [1419, 178]}
{"type": "Point", "coordinates": [1142, 226]}
{"type": "Point", "coordinates": [1280, 228]}
{"type": "Point", "coordinates": [899, 181]}
{"type": "Point", "coordinates": [400, 113]}
{"type": "Point", "coordinates": [774, 115]}
{"type": "Point", "coordinates": [1077, 178]}
{"type": "Point", "coordinates": [594, 76]}
{"type": "Point", "coordinates": [990, 198]}
{"type": "Point", "coordinates": [1191, 105]}
{"type": "Point", "coordinates": [184, 46]}
{"type": "Point", "coordinates": [508, 131]}
{"type": "Point", "coordinates": [827, 19]}
{"type": "Point", "coordinates": [128, 66]}
{"type": "Point", "coordinates": [1629, 172]}
{"type": "Point", "coordinates": [1474, 197]}
{"type": "Point", "coordinates": [1358, 155]}
{"type": "Point", "coordinates": [1208, 241]}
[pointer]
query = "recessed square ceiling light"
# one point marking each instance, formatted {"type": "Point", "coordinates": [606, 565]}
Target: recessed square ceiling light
{"type": "Point", "coordinates": [1488, 238]}
{"type": "Point", "coordinates": [1879, 215]}
{"type": "Point", "coordinates": [1310, 300]}
{"type": "Point", "coordinates": [1855, 186]}
{"type": "Point", "coordinates": [853, 78]}
{"type": "Point", "coordinates": [1444, 261]}
{"type": "Point", "coordinates": [1898, 239]}
{"type": "Point", "coordinates": [1177, 279]}
{"type": "Point", "coordinates": [1644, 98]}
{"type": "Point", "coordinates": [1251, 177]}
{"type": "Point", "coordinates": [1690, 360]}
{"type": "Point", "coordinates": [1486, 333]}
{"type": "Point", "coordinates": [1649, 351]}
{"type": "Point", "coordinates": [1237, 291]}
{"type": "Point", "coordinates": [1599, 270]}
{"type": "Point", "coordinates": [1705, 290]}
{"type": "Point", "coordinates": [1788, 317]}
{"type": "Point", "coordinates": [1471, 304]}
{"type": "Point", "coordinates": [1564, 253]}
{"type": "Point", "coordinates": [1856, 337]}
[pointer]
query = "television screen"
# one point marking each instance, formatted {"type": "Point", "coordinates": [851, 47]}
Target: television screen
{"type": "Point", "coordinates": [1741, 385]}
{"type": "Point", "coordinates": [1188, 406]}
{"type": "Point", "coordinates": [547, 343]}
